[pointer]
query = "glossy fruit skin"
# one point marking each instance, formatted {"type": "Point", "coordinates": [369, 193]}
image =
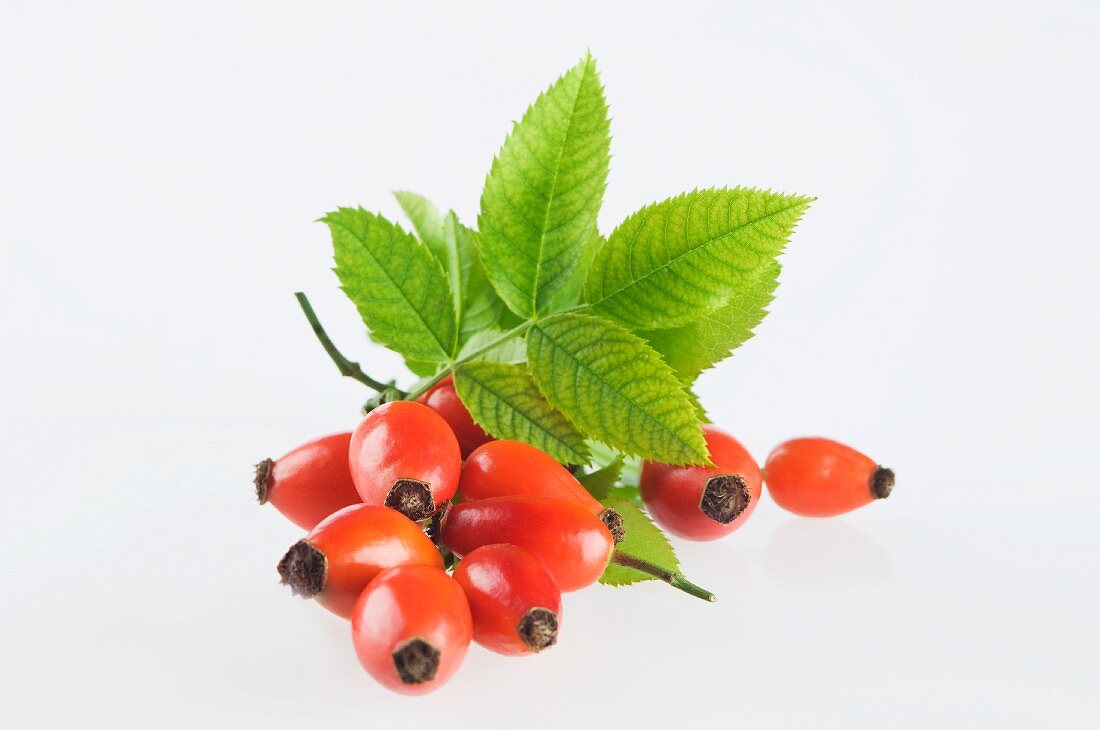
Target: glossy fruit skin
{"type": "Point", "coordinates": [443, 399]}
{"type": "Point", "coordinates": [819, 477]}
{"type": "Point", "coordinates": [358, 543]}
{"type": "Point", "coordinates": [411, 603]}
{"type": "Point", "coordinates": [310, 482]}
{"type": "Point", "coordinates": [569, 540]}
{"type": "Point", "coordinates": [404, 440]}
{"type": "Point", "coordinates": [673, 495]}
{"type": "Point", "coordinates": [505, 587]}
{"type": "Point", "coordinates": [508, 468]}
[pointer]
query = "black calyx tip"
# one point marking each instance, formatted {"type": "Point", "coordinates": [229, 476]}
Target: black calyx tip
{"type": "Point", "coordinates": [412, 498]}
{"type": "Point", "coordinates": [538, 628]}
{"type": "Point", "coordinates": [615, 524]}
{"type": "Point", "coordinates": [725, 497]}
{"type": "Point", "coordinates": [416, 661]}
{"type": "Point", "coordinates": [263, 474]}
{"type": "Point", "coordinates": [882, 482]}
{"type": "Point", "coordinates": [303, 568]}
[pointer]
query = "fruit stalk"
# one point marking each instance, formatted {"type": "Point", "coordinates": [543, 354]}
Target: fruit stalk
{"type": "Point", "coordinates": [676, 580]}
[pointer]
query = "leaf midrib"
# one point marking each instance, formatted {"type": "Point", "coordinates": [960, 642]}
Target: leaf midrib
{"type": "Point", "coordinates": [612, 388]}
{"type": "Point", "coordinates": [553, 187]}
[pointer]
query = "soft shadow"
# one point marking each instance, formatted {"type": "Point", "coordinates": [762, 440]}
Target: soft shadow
{"type": "Point", "coordinates": [824, 554]}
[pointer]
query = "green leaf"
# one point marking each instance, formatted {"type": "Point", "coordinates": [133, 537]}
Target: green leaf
{"type": "Point", "coordinates": [512, 351]}
{"type": "Point", "coordinates": [600, 482]}
{"type": "Point", "coordinates": [427, 222]}
{"type": "Point", "coordinates": [398, 287]}
{"type": "Point", "coordinates": [479, 305]}
{"type": "Point", "coordinates": [571, 294]}
{"type": "Point", "coordinates": [611, 384]}
{"type": "Point", "coordinates": [455, 247]}
{"type": "Point", "coordinates": [694, 347]}
{"type": "Point", "coordinates": [643, 540]}
{"type": "Point", "coordinates": [504, 400]}
{"type": "Point", "coordinates": [672, 261]}
{"type": "Point", "coordinates": [544, 191]}
{"type": "Point", "coordinates": [626, 492]}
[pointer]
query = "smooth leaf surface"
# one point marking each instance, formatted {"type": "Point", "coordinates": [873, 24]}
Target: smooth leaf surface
{"type": "Point", "coordinates": [615, 387]}
{"type": "Point", "coordinates": [504, 400]}
{"type": "Point", "coordinates": [599, 482]}
{"type": "Point", "coordinates": [544, 191]}
{"type": "Point", "coordinates": [396, 284]}
{"type": "Point", "coordinates": [513, 350]}
{"type": "Point", "coordinates": [571, 294]}
{"type": "Point", "coordinates": [673, 261]}
{"type": "Point", "coordinates": [696, 346]}
{"type": "Point", "coordinates": [478, 304]}
{"type": "Point", "coordinates": [643, 540]}
{"type": "Point", "coordinates": [427, 223]}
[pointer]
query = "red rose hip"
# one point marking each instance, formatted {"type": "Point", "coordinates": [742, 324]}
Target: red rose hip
{"type": "Point", "coordinates": [443, 399]}
{"type": "Point", "coordinates": [569, 540]}
{"type": "Point", "coordinates": [309, 483]}
{"type": "Point", "coordinates": [510, 468]}
{"type": "Point", "coordinates": [340, 556]}
{"type": "Point", "coordinates": [515, 603]}
{"type": "Point", "coordinates": [404, 455]}
{"type": "Point", "coordinates": [704, 502]}
{"type": "Point", "coordinates": [411, 627]}
{"type": "Point", "coordinates": [818, 477]}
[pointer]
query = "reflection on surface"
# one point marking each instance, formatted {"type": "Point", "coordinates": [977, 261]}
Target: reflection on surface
{"type": "Point", "coordinates": [824, 553]}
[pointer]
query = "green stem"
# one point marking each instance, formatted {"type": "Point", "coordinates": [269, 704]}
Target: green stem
{"type": "Point", "coordinates": [344, 365]}
{"type": "Point", "coordinates": [676, 580]}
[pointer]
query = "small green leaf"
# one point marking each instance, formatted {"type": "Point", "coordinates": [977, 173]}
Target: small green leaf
{"type": "Point", "coordinates": [571, 294]}
{"type": "Point", "coordinates": [643, 540]}
{"type": "Point", "coordinates": [455, 247]}
{"type": "Point", "coordinates": [600, 481]}
{"type": "Point", "coordinates": [627, 492]}
{"type": "Point", "coordinates": [398, 287]}
{"type": "Point", "coordinates": [427, 223]}
{"type": "Point", "coordinates": [504, 400]}
{"type": "Point", "coordinates": [611, 384]}
{"type": "Point", "coordinates": [479, 305]}
{"type": "Point", "coordinates": [544, 191]}
{"type": "Point", "coordinates": [673, 261]}
{"type": "Point", "coordinates": [694, 347]}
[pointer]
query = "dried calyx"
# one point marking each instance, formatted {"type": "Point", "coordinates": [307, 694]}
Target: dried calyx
{"type": "Point", "coordinates": [725, 497]}
{"type": "Point", "coordinates": [416, 661]}
{"type": "Point", "coordinates": [263, 474]}
{"type": "Point", "coordinates": [538, 628]}
{"type": "Point", "coordinates": [412, 498]}
{"type": "Point", "coordinates": [303, 568]}
{"type": "Point", "coordinates": [615, 524]}
{"type": "Point", "coordinates": [882, 482]}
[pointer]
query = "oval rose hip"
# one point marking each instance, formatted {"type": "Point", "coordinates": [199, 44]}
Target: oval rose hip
{"type": "Point", "coordinates": [515, 603]}
{"type": "Point", "coordinates": [704, 502]}
{"type": "Point", "coordinates": [411, 627]}
{"type": "Point", "coordinates": [404, 455]}
{"type": "Point", "coordinates": [309, 483]}
{"type": "Point", "coordinates": [339, 557]}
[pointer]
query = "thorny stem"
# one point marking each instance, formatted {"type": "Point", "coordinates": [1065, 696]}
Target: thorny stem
{"type": "Point", "coordinates": [676, 580]}
{"type": "Point", "coordinates": [344, 365]}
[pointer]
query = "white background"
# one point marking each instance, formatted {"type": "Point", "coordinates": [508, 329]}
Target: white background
{"type": "Point", "coordinates": [160, 172]}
